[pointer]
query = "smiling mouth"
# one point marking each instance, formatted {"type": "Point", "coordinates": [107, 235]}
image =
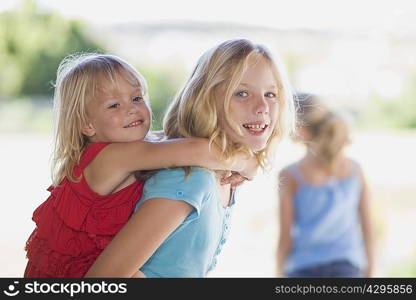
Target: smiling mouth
{"type": "Point", "coordinates": [134, 124]}
{"type": "Point", "coordinates": [255, 128]}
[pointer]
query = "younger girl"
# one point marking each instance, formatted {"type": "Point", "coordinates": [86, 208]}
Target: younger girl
{"type": "Point", "coordinates": [325, 228]}
{"type": "Point", "coordinates": [103, 116]}
{"type": "Point", "coordinates": [236, 97]}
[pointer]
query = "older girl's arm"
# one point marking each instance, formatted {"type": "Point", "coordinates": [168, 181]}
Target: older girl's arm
{"type": "Point", "coordinates": [140, 238]}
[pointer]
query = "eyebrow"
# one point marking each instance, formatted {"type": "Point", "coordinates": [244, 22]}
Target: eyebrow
{"type": "Point", "coordinates": [112, 95]}
{"type": "Point", "coordinates": [249, 85]}
{"type": "Point", "coordinates": [137, 90]}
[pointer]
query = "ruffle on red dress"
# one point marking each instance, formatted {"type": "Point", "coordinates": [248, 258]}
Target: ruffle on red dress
{"type": "Point", "coordinates": [75, 224]}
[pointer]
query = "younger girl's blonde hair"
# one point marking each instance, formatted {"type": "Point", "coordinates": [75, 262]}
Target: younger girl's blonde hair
{"type": "Point", "coordinates": [195, 112]}
{"type": "Point", "coordinates": [80, 77]}
{"type": "Point", "coordinates": [328, 130]}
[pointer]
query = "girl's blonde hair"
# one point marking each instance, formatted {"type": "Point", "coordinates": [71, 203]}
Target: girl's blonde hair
{"type": "Point", "coordinates": [194, 111]}
{"type": "Point", "coordinates": [80, 77]}
{"type": "Point", "coordinates": [329, 131]}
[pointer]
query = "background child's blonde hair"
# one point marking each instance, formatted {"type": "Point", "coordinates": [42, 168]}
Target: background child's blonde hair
{"type": "Point", "coordinates": [328, 130]}
{"type": "Point", "coordinates": [194, 111]}
{"type": "Point", "coordinates": [79, 78]}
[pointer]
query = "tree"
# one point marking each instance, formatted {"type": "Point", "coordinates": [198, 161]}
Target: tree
{"type": "Point", "coordinates": [31, 46]}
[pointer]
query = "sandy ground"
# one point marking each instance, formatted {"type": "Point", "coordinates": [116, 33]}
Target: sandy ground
{"type": "Point", "coordinates": [387, 158]}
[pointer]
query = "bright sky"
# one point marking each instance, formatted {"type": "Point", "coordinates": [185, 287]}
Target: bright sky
{"type": "Point", "coordinates": [372, 15]}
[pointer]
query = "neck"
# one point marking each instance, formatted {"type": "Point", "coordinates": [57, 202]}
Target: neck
{"type": "Point", "coordinates": [312, 157]}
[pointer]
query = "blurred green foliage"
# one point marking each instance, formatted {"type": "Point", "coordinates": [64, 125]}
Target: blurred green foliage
{"type": "Point", "coordinates": [399, 113]}
{"type": "Point", "coordinates": [31, 46]}
{"type": "Point", "coordinates": [407, 268]}
{"type": "Point", "coordinates": [32, 43]}
{"type": "Point", "coordinates": [163, 84]}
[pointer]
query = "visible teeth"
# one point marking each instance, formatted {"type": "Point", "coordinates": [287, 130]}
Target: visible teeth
{"type": "Point", "coordinates": [255, 127]}
{"type": "Point", "coordinates": [134, 124]}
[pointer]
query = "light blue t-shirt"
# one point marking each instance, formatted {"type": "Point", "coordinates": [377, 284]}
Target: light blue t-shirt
{"type": "Point", "coordinates": [326, 225]}
{"type": "Point", "coordinates": [191, 250]}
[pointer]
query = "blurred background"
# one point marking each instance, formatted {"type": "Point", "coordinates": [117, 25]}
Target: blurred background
{"type": "Point", "coordinates": [358, 55]}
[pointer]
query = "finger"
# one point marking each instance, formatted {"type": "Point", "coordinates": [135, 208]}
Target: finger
{"type": "Point", "coordinates": [230, 178]}
{"type": "Point", "coordinates": [226, 180]}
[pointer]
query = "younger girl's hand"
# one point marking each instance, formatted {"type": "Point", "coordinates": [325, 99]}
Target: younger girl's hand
{"type": "Point", "coordinates": [235, 179]}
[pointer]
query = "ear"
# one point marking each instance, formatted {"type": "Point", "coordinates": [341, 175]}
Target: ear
{"type": "Point", "coordinates": [88, 130]}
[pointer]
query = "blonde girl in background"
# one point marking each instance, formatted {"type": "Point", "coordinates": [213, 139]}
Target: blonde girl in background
{"type": "Point", "coordinates": [103, 116]}
{"type": "Point", "coordinates": [238, 98]}
{"type": "Point", "coordinates": [325, 224]}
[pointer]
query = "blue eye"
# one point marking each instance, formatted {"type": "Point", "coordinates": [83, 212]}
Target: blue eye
{"type": "Point", "coordinates": [242, 94]}
{"type": "Point", "coordinates": [270, 95]}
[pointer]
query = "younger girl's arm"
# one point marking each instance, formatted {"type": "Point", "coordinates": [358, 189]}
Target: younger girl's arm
{"type": "Point", "coordinates": [140, 238]}
{"type": "Point", "coordinates": [118, 160]}
{"type": "Point", "coordinates": [366, 224]}
{"type": "Point", "coordinates": [286, 191]}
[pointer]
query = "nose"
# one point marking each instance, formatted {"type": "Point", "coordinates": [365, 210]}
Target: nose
{"type": "Point", "coordinates": [261, 106]}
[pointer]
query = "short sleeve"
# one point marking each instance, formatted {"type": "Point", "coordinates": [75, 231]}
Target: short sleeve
{"type": "Point", "coordinates": [172, 184]}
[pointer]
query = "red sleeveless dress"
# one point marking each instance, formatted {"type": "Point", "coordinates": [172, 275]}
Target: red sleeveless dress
{"type": "Point", "coordinates": [75, 224]}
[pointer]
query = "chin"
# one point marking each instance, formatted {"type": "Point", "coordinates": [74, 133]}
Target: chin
{"type": "Point", "coordinates": [258, 146]}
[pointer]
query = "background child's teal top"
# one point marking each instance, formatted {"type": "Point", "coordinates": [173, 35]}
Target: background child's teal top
{"type": "Point", "coordinates": [191, 250]}
{"type": "Point", "coordinates": [326, 222]}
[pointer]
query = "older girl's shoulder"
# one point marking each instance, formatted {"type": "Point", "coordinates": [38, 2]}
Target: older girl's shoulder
{"type": "Point", "coordinates": [197, 177]}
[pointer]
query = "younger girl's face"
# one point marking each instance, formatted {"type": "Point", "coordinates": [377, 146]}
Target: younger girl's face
{"type": "Point", "coordinates": [118, 115]}
{"type": "Point", "coordinates": [253, 106]}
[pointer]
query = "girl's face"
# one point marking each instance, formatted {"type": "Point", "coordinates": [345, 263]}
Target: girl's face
{"type": "Point", "coordinates": [253, 106]}
{"type": "Point", "coordinates": [118, 115]}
